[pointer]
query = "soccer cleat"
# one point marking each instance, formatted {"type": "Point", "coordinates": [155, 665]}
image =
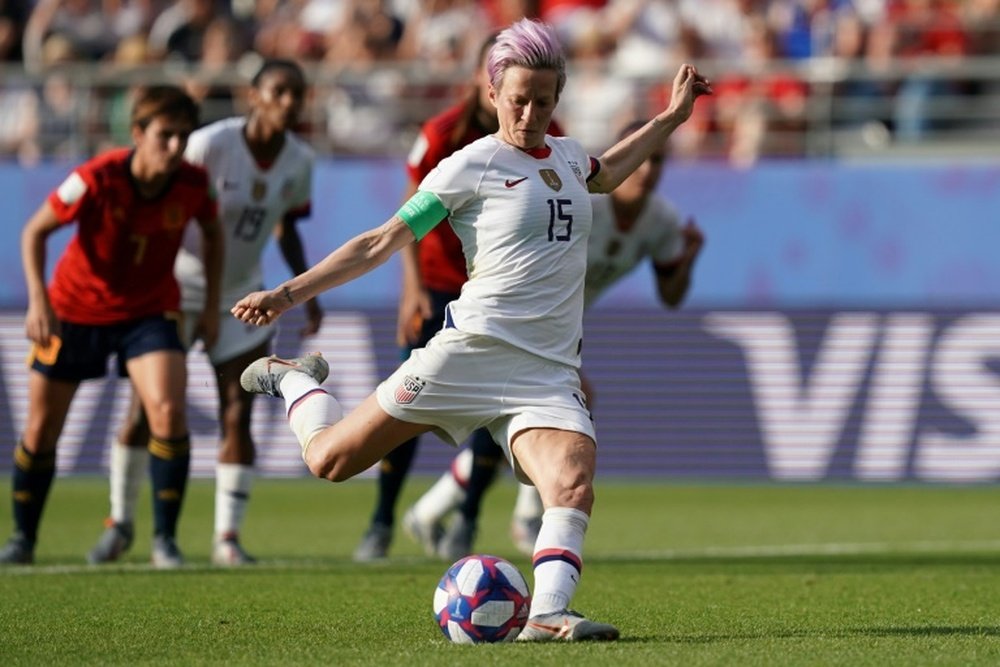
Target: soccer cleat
{"type": "Point", "coordinates": [165, 554]}
{"type": "Point", "coordinates": [227, 552]}
{"type": "Point", "coordinates": [374, 544]}
{"type": "Point", "coordinates": [18, 551]}
{"type": "Point", "coordinates": [264, 375]}
{"type": "Point", "coordinates": [423, 533]}
{"type": "Point", "coordinates": [457, 540]}
{"type": "Point", "coordinates": [524, 533]}
{"type": "Point", "coordinates": [567, 626]}
{"type": "Point", "coordinates": [113, 542]}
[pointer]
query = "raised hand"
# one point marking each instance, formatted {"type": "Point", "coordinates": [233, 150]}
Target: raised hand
{"type": "Point", "coordinates": [261, 308]}
{"type": "Point", "coordinates": [688, 86]}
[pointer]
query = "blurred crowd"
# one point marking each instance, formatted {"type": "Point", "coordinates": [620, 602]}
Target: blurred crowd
{"type": "Point", "coordinates": [894, 70]}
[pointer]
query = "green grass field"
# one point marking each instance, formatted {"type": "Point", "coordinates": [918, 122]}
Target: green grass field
{"type": "Point", "coordinates": [707, 574]}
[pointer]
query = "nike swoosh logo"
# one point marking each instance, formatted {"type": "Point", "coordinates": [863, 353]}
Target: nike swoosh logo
{"type": "Point", "coordinates": [509, 183]}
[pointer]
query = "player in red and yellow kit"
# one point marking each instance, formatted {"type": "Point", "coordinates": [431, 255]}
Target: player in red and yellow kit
{"type": "Point", "coordinates": [113, 292]}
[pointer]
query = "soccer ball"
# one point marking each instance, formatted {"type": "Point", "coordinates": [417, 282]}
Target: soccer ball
{"type": "Point", "coordinates": [481, 599]}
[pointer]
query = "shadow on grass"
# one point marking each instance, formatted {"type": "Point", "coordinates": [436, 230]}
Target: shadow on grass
{"type": "Point", "coordinates": [916, 631]}
{"type": "Point", "coordinates": [807, 563]}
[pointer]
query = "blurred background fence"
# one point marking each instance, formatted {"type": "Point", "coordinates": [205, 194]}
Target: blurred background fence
{"type": "Point", "coordinates": [821, 108]}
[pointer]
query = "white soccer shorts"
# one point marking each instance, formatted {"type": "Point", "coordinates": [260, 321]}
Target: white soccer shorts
{"type": "Point", "coordinates": [461, 382]}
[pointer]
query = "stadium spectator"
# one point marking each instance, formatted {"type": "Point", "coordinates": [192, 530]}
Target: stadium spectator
{"type": "Point", "coordinates": [572, 19]}
{"type": "Point", "coordinates": [178, 31]}
{"type": "Point", "coordinates": [263, 175]}
{"type": "Point", "coordinates": [442, 34]}
{"type": "Point", "coordinates": [130, 58]}
{"type": "Point", "coordinates": [594, 101]}
{"type": "Point", "coordinates": [91, 29]}
{"type": "Point", "coordinates": [287, 30]}
{"type": "Point", "coordinates": [504, 12]}
{"type": "Point", "coordinates": [921, 29]}
{"type": "Point", "coordinates": [761, 109]}
{"type": "Point", "coordinates": [508, 356]}
{"type": "Point", "coordinates": [208, 83]}
{"type": "Point", "coordinates": [370, 33]}
{"type": "Point", "coordinates": [362, 106]}
{"type": "Point", "coordinates": [859, 102]}
{"type": "Point", "coordinates": [13, 17]}
{"type": "Point", "coordinates": [59, 110]}
{"type": "Point", "coordinates": [19, 122]}
{"type": "Point", "coordinates": [981, 24]}
{"type": "Point", "coordinates": [631, 224]}
{"type": "Point", "coordinates": [114, 292]}
{"type": "Point", "coordinates": [722, 24]}
{"type": "Point", "coordinates": [649, 37]}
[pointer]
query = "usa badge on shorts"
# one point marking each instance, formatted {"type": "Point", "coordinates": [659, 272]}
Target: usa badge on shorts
{"type": "Point", "coordinates": [408, 389]}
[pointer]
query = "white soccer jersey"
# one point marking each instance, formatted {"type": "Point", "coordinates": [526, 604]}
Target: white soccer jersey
{"type": "Point", "coordinates": [612, 252]}
{"type": "Point", "coordinates": [252, 201]}
{"type": "Point", "coordinates": [523, 219]}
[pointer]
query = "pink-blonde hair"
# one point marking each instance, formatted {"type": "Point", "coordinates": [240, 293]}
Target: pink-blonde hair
{"type": "Point", "coordinates": [527, 43]}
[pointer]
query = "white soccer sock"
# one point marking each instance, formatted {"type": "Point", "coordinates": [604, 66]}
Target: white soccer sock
{"type": "Point", "coordinates": [232, 493]}
{"type": "Point", "coordinates": [447, 493]}
{"type": "Point", "coordinates": [309, 408]}
{"type": "Point", "coordinates": [528, 504]}
{"type": "Point", "coordinates": [127, 471]}
{"type": "Point", "coordinates": [558, 559]}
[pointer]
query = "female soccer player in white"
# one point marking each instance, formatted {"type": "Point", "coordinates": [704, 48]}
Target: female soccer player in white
{"type": "Point", "coordinates": [509, 353]}
{"type": "Point", "coordinates": [631, 224]}
{"type": "Point", "coordinates": [262, 173]}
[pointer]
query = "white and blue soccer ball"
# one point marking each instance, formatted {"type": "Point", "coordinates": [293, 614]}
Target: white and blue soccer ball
{"type": "Point", "coordinates": [481, 599]}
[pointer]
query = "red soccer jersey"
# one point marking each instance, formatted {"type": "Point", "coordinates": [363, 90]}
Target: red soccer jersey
{"type": "Point", "coordinates": [442, 264]}
{"type": "Point", "coordinates": [119, 265]}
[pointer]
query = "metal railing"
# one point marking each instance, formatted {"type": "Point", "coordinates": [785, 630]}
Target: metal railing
{"type": "Point", "coordinates": [918, 108]}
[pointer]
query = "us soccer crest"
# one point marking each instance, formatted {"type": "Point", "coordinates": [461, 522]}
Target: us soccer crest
{"type": "Point", "coordinates": [408, 389]}
{"type": "Point", "coordinates": [551, 179]}
{"type": "Point", "coordinates": [259, 190]}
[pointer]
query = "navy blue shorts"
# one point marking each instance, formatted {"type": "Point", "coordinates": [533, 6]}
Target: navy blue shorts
{"type": "Point", "coordinates": [85, 348]}
{"type": "Point", "coordinates": [433, 324]}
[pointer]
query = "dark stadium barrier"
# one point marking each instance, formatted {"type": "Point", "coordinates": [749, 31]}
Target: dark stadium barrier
{"type": "Point", "coordinates": [867, 395]}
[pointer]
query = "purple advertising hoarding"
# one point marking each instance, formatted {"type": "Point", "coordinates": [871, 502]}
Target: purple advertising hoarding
{"type": "Point", "coordinates": [870, 395]}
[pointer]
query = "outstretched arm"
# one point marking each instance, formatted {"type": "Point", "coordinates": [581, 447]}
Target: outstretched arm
{"type": "Point", "coordinates": [355, 258]}
{"type": "Point", "coordinates": [625, 157]}
{"type": "Point", "coordinates": [674, 279]}
{"type": "Point", "coordinates": [290, 244]}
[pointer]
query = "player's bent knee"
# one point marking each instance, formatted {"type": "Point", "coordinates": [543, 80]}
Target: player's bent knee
{"type": "Point", "coordinates": [327, 463]}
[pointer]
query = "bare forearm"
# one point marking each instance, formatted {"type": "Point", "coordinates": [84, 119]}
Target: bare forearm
{"type": "Point", "coordinates": [674, 289]}
{"type": "Point", "coordinates": [625, 157]}
{"type": "Point", "coordinates": [33, 257]}
{"type": "Point", "coordinates": [290, 244]}
{"type": "Point", "coordinates": [351, 260]}
{"type": "Point", "coordinates": [33, 252]}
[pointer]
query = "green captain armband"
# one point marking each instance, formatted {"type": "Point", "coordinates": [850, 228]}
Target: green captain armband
{"type": "Point", "coordinates": [422, 212]}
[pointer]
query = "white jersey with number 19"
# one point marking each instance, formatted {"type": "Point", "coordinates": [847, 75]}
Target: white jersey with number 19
{"type": "Point", "coordinates": [523, 218]}
{"type": "Point", "coordinates": [252, 198]}
{"type": "Point", "coordinates": [613, 252]}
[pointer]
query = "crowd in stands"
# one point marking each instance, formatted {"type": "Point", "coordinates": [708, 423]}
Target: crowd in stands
{"type": "Point", "coordinates": [380, 67]}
